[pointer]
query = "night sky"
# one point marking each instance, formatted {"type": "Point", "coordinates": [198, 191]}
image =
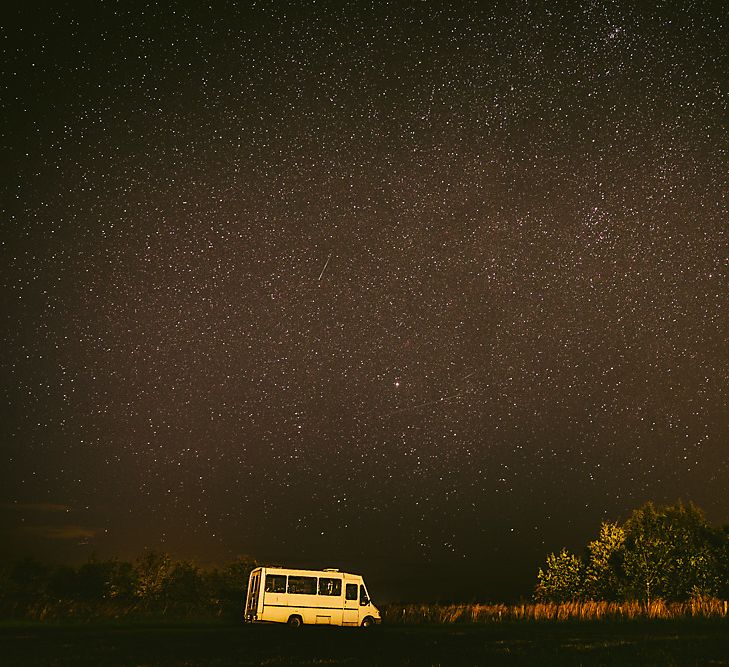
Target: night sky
{"type": "Point", "coordinates": [425, 291]}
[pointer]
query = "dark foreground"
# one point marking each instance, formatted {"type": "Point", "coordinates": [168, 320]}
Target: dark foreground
{"type": "Point", "coordinates": [606, 643]}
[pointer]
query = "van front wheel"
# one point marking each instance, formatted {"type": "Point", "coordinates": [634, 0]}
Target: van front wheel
{"type": "Point", "coordinates": [295, 621]}
{"type": "Point", "coordinates": [368, 622]}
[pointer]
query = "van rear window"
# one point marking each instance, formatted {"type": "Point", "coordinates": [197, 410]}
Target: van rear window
{"type": "Point", "coordinates": [275, 583]}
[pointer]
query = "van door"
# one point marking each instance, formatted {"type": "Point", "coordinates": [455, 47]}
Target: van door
{"type": "Point", "coordinates": [254, 584]}
{"type": "Point", "coordinates": [350, 614]}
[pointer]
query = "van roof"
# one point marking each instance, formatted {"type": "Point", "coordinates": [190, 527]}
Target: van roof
{"type": "Point", "coordinates": [279, 569]}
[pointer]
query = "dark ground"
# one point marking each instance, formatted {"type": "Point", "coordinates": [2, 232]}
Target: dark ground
{"type": "Point", "coordinates": [607, 643]}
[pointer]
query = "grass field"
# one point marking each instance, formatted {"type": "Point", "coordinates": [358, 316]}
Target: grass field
{"type": "Point", "coordinates": [657, 642]}
{"type": "Point", "coordinates": [582, 610]}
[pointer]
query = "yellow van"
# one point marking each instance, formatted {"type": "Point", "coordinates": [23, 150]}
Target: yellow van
{"type": "Point", "coordinates": [309, 597]}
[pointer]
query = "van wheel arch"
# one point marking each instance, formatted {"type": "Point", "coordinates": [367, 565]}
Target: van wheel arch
{"type": "Point", "coordinates": [295, 621]}
{"type": "Point", "coordinates": [368, 622]}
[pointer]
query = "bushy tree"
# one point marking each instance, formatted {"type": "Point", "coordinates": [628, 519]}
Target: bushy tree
{"type": "Point", "coordinates": [669, 553]}
{"type": "Point", "coordinates": [123, 581]}
{"type": "Point", "coordinates": [62, 583]}
{"type": "Point", "coordinates": [183, 586]}
{"type": "Point", "coordinates": [94, 581]}
{"type": "Point", "coordinates": [24, 586]}
{"type": "Point", "coordinates": [152, 569]}
{"type": "Point", "coordinates": [604, 570]}
{"type": "Point", "coordinates": [28, 581]}
{"type": "Point", "coordinates": [562, 579]}
{"type": "Point", "coordinates": [227, 586]}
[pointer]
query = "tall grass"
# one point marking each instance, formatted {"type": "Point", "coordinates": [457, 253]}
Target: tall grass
{"type": "Point", "coordinates": [446, 614]}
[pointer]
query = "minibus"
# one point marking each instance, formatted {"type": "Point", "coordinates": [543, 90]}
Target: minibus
{"type": "Point", "coordinates": [309, 597]}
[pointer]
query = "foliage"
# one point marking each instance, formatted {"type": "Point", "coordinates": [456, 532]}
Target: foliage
{"type": "Point", "coordinates": [722, 550]}
{"type": "Point", "coordinates": [605, 567]}
{"type": "Point", "coordinates": [152, 571]}
{"type": "Point", "coordinates": [660, 553]}
{"type": "Point", "coordinates": [562, 579]}
{"type": "Point", "coordinates": [94, 580]}
{"type": "Point", "coordinates": [669, 553]}
{"type": "Point", "coordinates": [154, 583]}
{"type": "Point", "coordinates": [225, 585]}
{"type": "Point", "coordinates": [25, 582]}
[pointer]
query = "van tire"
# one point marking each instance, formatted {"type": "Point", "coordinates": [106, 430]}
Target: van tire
{"type": "Point", "coordinates": [368, 622]}
{"type": "Point", "coordinates": [295, 621]}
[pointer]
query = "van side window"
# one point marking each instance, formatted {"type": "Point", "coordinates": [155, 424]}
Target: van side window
{"type": "Point", "coordinates": [363, 599]}
{"type": "Point", "coordinates": [351, 591]}
{"type": "Point", "coordinates": [275, 583]}
{"type": "Point", "coordinates": [330, 586]}
{"type": "Point", "coordinates": [302, 585]}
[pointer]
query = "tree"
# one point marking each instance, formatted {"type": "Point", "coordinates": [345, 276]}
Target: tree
{"type": "Point", "coordinates": [604, 572]}
{"type": "Point", "coordinates": [227, 587]}
{"type": "Point", "coordinates": [562, 579]}
{"type": "Point", "coordinates": [93, 580]}
{"type": "Point", "coordinates": [63, 583]}
{"type": "Point", "coordinates": [183, 586]}
{"type": "Point", "coordinates": [25, 588]}
{"type": "Point", "coordinates": [669, 553]}
{"type": "Point", "coordinates": [152, 569]}
{"type": "Point", "coordinates": [27, 581]}
{"type": "Point", "coordinates": [123, 581]}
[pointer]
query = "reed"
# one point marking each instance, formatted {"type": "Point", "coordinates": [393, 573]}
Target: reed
{"type": "Point", "coordinates": [587, 610]}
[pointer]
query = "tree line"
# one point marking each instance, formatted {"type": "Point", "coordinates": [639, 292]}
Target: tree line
{"type": "Point", "coordinates": [668, 552]}
{"type": "Point", "coordinates": [154, 584]}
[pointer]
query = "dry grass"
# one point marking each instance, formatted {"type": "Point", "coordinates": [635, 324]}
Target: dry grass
{"type": "Point", "coordinates": [446, 614]}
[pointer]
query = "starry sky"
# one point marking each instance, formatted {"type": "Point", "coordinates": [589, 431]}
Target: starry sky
{"type": "Point", "coordinates": [422, 290]}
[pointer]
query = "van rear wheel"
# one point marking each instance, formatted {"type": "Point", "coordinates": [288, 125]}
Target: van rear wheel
{"type": "Point", "coordinates": [295, 621]}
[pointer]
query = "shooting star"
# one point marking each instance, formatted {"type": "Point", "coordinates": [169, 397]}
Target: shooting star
{"type": "Point", "coordinates": [325, 267]}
